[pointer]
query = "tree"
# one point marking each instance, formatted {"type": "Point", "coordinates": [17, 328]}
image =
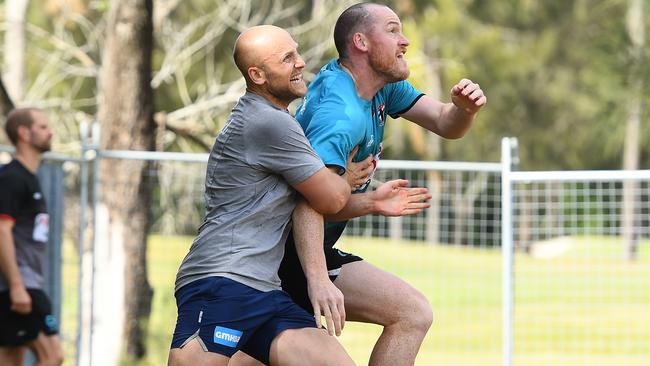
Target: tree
{"type": "Point", "coordinates": [14, 47]}
{"type": "Point", "coordinates": [126, 116]}
{"type": "Point", "coordinates": [14, 54]}
{"type": "Point", "coordinates": [6, 105]}
{"type": "Point", "coordinates": [636, 32]}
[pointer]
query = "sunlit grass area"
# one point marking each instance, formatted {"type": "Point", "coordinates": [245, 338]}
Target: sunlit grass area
{"type": "Point", "coordinates": [585, 306]}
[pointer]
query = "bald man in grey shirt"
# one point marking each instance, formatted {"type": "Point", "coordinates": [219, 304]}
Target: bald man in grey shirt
{"type": "Point", "coordinates": [227, 288]}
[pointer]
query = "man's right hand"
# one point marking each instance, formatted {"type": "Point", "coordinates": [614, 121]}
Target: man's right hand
{"type": "Point", "coordinates": [327, 300]}
{"type": "Point", "coordinates": [21, 302]}
{"type": "Point", "coordinates": [357, 174]}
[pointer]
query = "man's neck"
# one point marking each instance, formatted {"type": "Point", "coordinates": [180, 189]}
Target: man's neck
{"type": "Point", "coordinates": [30, 159]}
{"type": "Point", "coordinates": [282, 104]}
{"type": "Point", "coordinates": [366, 81]}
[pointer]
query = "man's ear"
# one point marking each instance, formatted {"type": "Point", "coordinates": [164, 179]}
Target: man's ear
{"type": "Point", "coordinates": [360, 42]}
{"type": "Point", "coordinates": [257, 75]}
{"type": "Point", "coordinates": [24, 133]}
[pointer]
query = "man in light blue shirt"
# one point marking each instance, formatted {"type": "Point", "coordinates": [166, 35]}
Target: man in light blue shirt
{"type": "Point", "coordinates": [346, 106]}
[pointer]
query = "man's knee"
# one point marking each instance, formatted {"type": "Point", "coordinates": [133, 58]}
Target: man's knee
{"type": "Point", "coordinates": [178, 357]}
{"type": "Point", "coordinates": [173, 358]}
{"type": "Point", "coordinates": [308, 346]}
{"type": "Point", "coordinates": [419, 315]}
{"type": "Point", "coordinates": [50, 361]}
{"type": "Point", "coordinates": [57, 358]}
{"type": "Point", "coordinates": [54, 358]}
{"type": "Point", "coordinates": [12, 356]}
{"type": "Point", "coordinates": [193, 354]}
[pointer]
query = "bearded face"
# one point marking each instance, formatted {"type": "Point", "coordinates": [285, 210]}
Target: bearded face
{"type": "Point", "coordinates": [40, 133]}
{"type": "Point", "coordinates": [387, 45]}
{"type": "Point", "coordinates": [389, 63]}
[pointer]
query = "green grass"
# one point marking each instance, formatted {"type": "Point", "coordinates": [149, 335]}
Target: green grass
{"type": "Point", "coordinates": [588, 306]}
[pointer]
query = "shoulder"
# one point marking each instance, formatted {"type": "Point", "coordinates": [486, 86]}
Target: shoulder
{"type": "Point", "coordinates": [397, 87]}
{"type": "Point", "coordinates": [276, 122]}
{"type": "Point", "coordinates": [11, 171]}
{"type": "Point", "coordinates": [12, 179]}
{"type": "Point", "coordinates": [331, 84]}
{"type": "Point", "coordinates": [399, 97]}
{"type": "Point", "coordinates": [331, 95]}
{"type": "Point", "coordinates": [258, 114]}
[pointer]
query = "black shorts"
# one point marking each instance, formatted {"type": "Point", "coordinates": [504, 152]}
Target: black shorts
{"type": "Point", "coordinates": [18, 329]}
{"type": "Point", "coordinates": [293, 278]}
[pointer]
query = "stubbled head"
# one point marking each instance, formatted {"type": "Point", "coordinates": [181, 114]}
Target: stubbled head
{"type": "Point", "coordinates": [355, 19]}
{"type": "Point", "coordinates": [372, 33]}
{"type": "Point", "coordinates": [268, 58]}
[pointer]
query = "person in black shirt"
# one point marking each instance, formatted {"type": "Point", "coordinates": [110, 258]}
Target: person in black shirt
{"type": "Point", "coordinates": [25, 310]}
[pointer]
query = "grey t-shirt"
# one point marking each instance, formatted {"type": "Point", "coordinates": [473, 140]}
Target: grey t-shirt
{"type": "Point", "coordinates": [258, 154]}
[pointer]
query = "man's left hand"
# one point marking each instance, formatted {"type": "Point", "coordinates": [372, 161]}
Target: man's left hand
{"type": "Point", "coordinates": [395, 198]}
{"type": "Point", "coordinates": [468, 96]}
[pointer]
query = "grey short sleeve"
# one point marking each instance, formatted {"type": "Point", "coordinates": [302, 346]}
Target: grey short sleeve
{"type": "Point", "coordinates": [281, 146]}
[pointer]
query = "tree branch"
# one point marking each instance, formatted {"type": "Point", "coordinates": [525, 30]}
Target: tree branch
{"type": "Point", "coordinates": [162, 121]}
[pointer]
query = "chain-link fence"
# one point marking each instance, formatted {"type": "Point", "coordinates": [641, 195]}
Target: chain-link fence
{"type": "Point", "coordinates": [574, 254]}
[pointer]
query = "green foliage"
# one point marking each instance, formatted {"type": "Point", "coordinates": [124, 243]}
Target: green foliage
{"type": "Point", "coordinates": [555, 74]}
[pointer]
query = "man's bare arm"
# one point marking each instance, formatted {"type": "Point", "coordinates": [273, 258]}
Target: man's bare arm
{"type": "Point", "coordinates": [449, 120]}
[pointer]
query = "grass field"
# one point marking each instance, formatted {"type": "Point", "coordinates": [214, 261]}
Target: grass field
{"type": "Point", "coordinates": [587, 306]}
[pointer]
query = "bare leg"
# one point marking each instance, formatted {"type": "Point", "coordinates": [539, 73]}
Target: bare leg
{"type": "Point", "coordinates": [12, 356]}
{"type": "Point", "coordinates": [375, 296]}
{"type": "Point", "coordinates": [372, 295]}
{"type": "Point", "coordinates": [193, 354]}
{"type": "Point", "coordinates": [47, 349]}
{"type": "Point", "coordinates": [307, 346]}
{"type": "Point", "coordinates": [242, 359]}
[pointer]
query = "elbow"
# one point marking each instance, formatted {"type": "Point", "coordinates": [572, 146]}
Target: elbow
{"type": "Point", "coordinates": [341, 200]}
{"type": "Point", "coordinates": [334, 203]}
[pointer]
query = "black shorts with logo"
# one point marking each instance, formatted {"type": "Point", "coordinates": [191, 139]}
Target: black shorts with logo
{"type": "Point", "coordinates": [293, 278]}
{"type": "Point", "coordinates": [17, 329]}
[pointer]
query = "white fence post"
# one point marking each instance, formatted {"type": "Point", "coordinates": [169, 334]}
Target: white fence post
{"type": "Point", "coordinates": [507, 249]}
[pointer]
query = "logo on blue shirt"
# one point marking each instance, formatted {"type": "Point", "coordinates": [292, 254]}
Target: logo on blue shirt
{"type": "Point", "coordinates": [381, 112]}
{"type": "Point", "coordinates": [226, 336]}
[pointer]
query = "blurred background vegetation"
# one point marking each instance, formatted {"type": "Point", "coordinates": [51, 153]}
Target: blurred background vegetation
{"type": "Point", "coordinates": [562, 76]}
{"type": "Point", "coordinates": [569, 79]}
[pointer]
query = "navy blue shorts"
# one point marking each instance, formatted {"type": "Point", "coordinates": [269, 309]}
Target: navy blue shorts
{"type": "Point", "coordinates": [293, 278]}
{"type": "Point", "coordinates": [227, 316]}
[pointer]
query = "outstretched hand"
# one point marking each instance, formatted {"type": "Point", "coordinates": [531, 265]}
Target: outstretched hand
{"type": "Point", "coordinates": [394, 198]}
{"type": "Point", "coordinates": [468, 96]}
{"type": "Point", "coordinates": [327, 301]}
{"type": "Point", "coordinates": [357, 174]}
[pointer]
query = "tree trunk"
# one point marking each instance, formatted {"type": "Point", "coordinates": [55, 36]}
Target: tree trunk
{"type": "Point", "coordinates": [14, 48]}
{"type": "Point", "coordinates": [126, 116]}
{"type": "Point", "coordinates": [636, 32]}
{"type": "Point", "coordinates": [6, 105]}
